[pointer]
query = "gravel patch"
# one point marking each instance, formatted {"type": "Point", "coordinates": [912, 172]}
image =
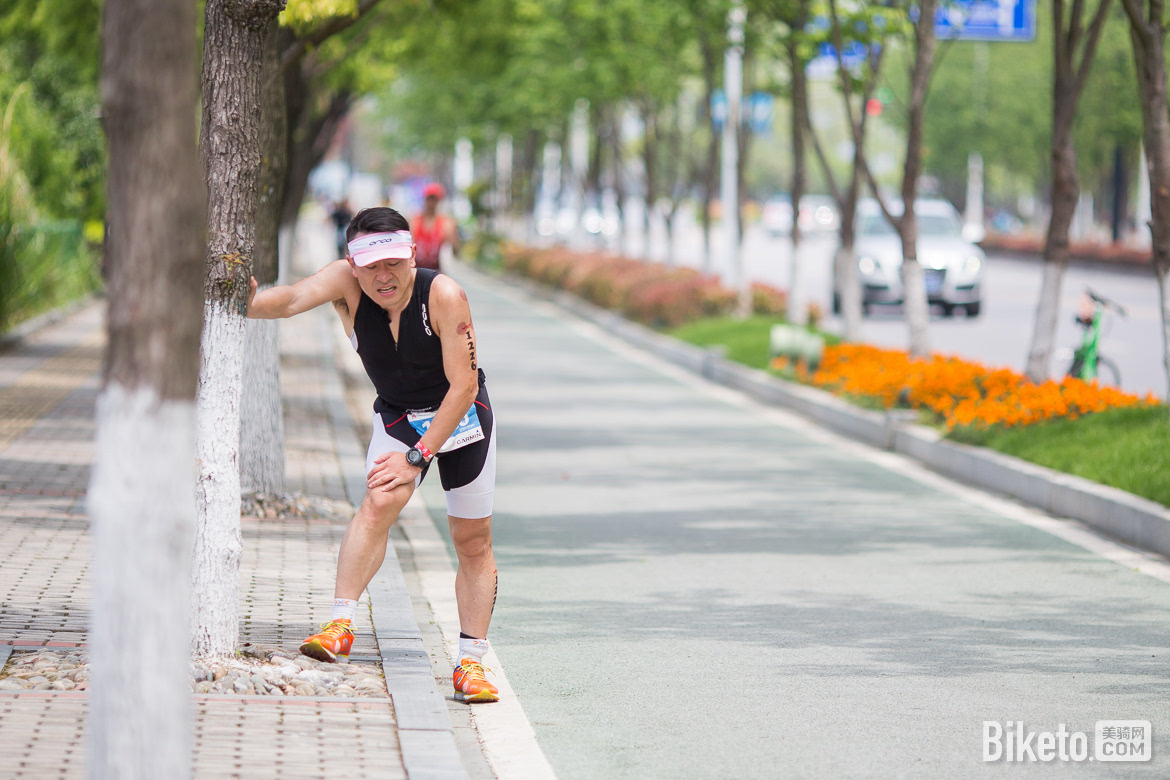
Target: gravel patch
{"type": "Point", "coordinates": [294, 505]}
{"type": "Point", "coordinates": [257, 671]}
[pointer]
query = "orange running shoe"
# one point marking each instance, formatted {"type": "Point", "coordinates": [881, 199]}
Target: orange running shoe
{"type": "Point", "coordinates": [331, 644]}
{"type": "Point", "coordinates": [471, 682]}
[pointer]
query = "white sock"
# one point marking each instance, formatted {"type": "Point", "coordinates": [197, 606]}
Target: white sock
{"type": "Point", "coordinates": [472, 648]}
{"type": "Point", "coordinates": [344, 609]}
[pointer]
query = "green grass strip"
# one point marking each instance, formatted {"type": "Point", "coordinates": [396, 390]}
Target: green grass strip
{"type": "Point", "coordinates": [1125, 448]}
{"type": "Point", "coordinates": [746, 340]}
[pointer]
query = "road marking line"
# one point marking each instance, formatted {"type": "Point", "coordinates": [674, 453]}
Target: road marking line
{"type": "Point", "coordinates": [508, 739]}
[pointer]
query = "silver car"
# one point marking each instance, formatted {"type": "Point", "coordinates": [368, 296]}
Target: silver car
{"type": "Point", "coordinates": [953, 265]}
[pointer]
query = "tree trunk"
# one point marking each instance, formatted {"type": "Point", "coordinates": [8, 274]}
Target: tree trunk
{"type": "Point", "coordinates": [743, 142]}
{"type": "Point", "coordinates": [649, 150]}
{"type": "Point", "coordinates": [233, 70]}
{"type": "Point", "coordinates": [797, 306]}
{"type": "Point", "coordinates": [141, 491]}
{"type": "Point", "coordinates": [619, 183]}
{"type": "Point", "coordinates": [712, 162]}
{"type": "Point", "coordinates": [914, 301]}
{"type": "Point", "coordinates": [1065, 191]}
{"type": "Point", "coordinates": [261, 418]}
{"type": "Point", "coordinates": [526, 196]}
{"type": "Point", "coordinates": [846, 258]}
{"type": "Point", "coordinates": [308, 140]}
{"type": "Point", "coordinates": [1069, 74]}
{"type": "Point", "coordinates": [1150, 61]}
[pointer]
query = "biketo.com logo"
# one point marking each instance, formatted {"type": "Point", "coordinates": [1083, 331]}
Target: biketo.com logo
{"type": "Point", "coordinates": [1114, 740]}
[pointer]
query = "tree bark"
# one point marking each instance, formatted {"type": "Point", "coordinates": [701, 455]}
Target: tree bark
{"type": "Point", "coordinates": [797, 306]}
{"type": "Point", "coordinates": [1069, 76]}
{"type": "Point", "coordinates": [649, 162]}
{"type": "Point", "coordinates": [141, 490]}
{"type": "Point", "coordinates": [261, 418]}
{"type": "Point", "coordinates": [712, 162]}
{"type": "Point", "coordinates": [914, 300]}
{"type": "Point", "coordinates": [1148, 36]}
{"type": "Point", "coordinates": [619, 182]}
{"type": "Point", "coordinates": [234, 33]}
{"type": "Point", "coordinates": [850, 294]}
{"type": "Point", "coordinates": [851, 302]}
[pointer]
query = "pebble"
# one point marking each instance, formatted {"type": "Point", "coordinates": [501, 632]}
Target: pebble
{"type": "Point", "coordinates": [258, 671]}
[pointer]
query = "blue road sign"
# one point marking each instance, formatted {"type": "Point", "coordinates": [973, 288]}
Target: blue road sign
{"type": "Point", "coordinates": [760, 109]}
{"type": "Point", "coordinates": [987, 20]}
{"type": "Point", "coordinates": [718, 109]}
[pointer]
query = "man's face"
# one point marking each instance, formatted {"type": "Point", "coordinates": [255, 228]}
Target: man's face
{"type": "Point", "coordinates": [387, 282]}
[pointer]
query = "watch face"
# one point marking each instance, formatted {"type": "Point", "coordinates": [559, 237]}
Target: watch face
{"type": "Point", "coordinates": [414, 456]}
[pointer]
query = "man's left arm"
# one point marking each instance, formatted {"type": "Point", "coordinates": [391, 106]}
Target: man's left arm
{"type": "Point", "coordinates": [451, 316]}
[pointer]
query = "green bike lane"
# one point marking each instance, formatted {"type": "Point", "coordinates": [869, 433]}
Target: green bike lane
{"type": "Point", "coordinates": [694, 586]}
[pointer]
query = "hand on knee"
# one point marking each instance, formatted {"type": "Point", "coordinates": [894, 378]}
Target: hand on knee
{"type": "Point", "coordinates": [384, 506]}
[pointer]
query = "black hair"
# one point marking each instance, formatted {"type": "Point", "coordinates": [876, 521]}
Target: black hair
{"type": "Point", "coordinates": [376, 220]}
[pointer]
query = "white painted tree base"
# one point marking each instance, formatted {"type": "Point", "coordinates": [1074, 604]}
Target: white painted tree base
{"type": "Point", "coordinates": [142, 512]}
{"type": "Point", "coordinates": [261, 415]}
{"type": "Point", "coordinates": [215, 574]}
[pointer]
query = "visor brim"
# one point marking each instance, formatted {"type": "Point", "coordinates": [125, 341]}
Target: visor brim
{"type": "Point", "coordinates": [371, 256]}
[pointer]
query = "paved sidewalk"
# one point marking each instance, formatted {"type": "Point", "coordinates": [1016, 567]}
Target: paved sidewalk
{"type": "Point", "coordinates": [48, 385]}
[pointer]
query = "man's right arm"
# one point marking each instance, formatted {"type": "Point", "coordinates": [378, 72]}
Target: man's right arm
{"type": "Point", "coordinates": [330, 283]}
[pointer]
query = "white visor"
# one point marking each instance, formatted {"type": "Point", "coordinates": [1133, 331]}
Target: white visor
{"type": "Point", "coordinates": [371, 248]}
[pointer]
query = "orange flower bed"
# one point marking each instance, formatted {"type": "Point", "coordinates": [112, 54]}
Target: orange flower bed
{"type": "Point", "coordinates": [959, 392]}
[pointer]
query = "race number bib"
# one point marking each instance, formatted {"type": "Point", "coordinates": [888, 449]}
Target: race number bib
{"type": "Point", "coordinates": [468, 431]}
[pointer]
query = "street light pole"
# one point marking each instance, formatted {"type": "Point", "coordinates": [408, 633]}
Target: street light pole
{"type": "Point", "coordinates": [729, 180]}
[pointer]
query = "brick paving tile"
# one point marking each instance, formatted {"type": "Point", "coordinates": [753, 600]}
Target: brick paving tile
{"type": "Point", "coordinates": [48, 387]}
{"type": "Point", "coordinates": [44, 736]}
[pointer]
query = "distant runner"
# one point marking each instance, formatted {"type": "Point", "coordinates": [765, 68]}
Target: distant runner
{"type": "Point", "coordinates": [412, 329]}
{"type": "Point", "coordinates": [432, 229]}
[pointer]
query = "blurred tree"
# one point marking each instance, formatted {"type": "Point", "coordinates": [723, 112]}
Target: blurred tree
{"type": "Point", "coordinates": [1148, 33]}
{"type": "Point", "coordinates": [996, 98]}
{"type": "Point", "coordinates": [920, 19]}
{"type": "Point", "coordinates": [797, 47]}
{"type": "Point", "coordinates": [141, 496]}
{"type": "Point", "coordinates": [1074, 45]}
{"type": "Point", "coordinates": [869, 32]}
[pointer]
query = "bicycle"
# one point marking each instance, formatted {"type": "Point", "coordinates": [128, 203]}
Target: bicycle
{"type": "Point", "coordinates": [1087, 361]}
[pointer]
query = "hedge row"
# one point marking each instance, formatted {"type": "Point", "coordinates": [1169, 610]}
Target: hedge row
{"type": "Point", "coordinates": [654, 294]}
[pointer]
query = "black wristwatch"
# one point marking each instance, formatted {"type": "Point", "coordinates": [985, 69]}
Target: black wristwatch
{"type": "Point", "coordinates": [415, 457]}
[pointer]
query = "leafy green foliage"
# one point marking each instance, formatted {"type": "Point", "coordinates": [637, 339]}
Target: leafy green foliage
{"type": "Point", "coordinates": [52, 154]}
{"type": "Point", "coordinates": [996, 99]}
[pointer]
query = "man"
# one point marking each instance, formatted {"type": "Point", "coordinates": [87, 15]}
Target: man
{"type": "Point", "coordinates": [432, 229]}
{"type": "Point", "coordinates": [412, 329]}
{"type": "Point", "coordinates": [341, 215]}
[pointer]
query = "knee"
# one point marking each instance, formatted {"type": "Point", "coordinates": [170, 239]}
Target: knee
{"type": "Point", "coordinates": [472, 538]}
{"type": "Point", "coordinates": [382, 507]}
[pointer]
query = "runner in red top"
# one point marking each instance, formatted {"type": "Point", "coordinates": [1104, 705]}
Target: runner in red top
{"type": "Point", "coordinates": [430, 229]}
